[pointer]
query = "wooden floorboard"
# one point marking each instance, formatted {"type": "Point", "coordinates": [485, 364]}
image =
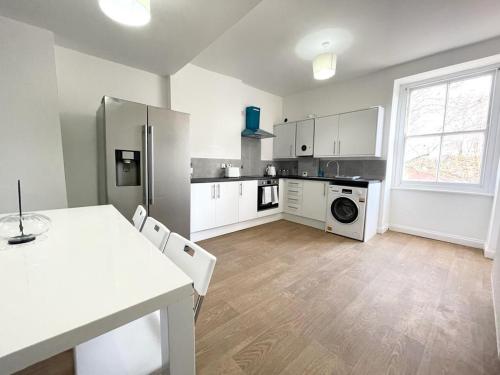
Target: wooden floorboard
{"type": "Point", "coordinates": [289, 299]}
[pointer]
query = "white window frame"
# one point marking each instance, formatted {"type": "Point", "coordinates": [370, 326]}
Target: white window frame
{"type": "Point", "coordinates": [491, 149]}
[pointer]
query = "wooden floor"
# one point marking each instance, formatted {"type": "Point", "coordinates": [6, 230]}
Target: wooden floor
{"type": "Point", "coordinates": [289, 299]}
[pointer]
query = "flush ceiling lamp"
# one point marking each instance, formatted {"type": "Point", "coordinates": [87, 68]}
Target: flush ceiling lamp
{"type": "Point", "coordinates": [325, 64]}
{"type": "Point", "coordinates": [127, 12]}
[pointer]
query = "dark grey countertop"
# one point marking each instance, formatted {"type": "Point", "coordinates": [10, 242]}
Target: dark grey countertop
{"type": "Point", "coordinates": [198, 180]}
{"type": "Point", "coordinates": [362, 182]}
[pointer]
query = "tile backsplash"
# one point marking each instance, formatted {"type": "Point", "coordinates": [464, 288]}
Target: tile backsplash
{"type": "Point", "coordinates": [250, 162]}
{"type": "Point", "coordinates": [251, 165]}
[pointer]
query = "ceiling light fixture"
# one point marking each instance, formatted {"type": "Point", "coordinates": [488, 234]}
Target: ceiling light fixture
{"type": "Point", "coordinates": [127, 12]}
{"type": "Point", "coordinates": [325, 64]}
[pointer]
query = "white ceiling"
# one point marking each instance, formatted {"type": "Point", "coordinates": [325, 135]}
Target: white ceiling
{"type": "Point", "coordinates": [178, 31]}
{"type": "Point", "coordinates": [260, 48]}
{"type": "Point", "coordinates": [256, 40]}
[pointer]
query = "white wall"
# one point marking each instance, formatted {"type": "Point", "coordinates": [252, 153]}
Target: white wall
{"type": "Point", "coordinates": [83, 80]}
{"type": "Point", "coordinates": [30, 143]}
{"type": "Point", "coordinates": [492, 250]}
{"type": "Point", "coordinates": [216, 103]}
{"type": "Point", "coordinates": [453, 217]}
{"type": "Point", "coordinates": [377, 89]}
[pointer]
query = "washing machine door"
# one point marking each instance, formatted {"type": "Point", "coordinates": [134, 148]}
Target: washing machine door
{"type": "Point", "coordinates": [344, 210]}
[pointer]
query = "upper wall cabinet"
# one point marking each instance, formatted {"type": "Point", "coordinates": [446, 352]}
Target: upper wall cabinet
{"type": "Point", "coordinates": [326, 136]}
{"type": "Point", "coordinates": [357, 133]}
{"type": "Point", "coordinates": [305, 138]}
{"type": "Point", "coordinates": [284, 141]}
{"type": "Point", "coordinates": [360, 132]}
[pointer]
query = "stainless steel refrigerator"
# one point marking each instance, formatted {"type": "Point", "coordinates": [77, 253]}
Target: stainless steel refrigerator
{"type": "Point", "coordinates": [144, 158]}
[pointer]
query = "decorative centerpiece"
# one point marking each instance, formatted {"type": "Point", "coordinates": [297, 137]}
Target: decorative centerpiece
{"type": "Point", "coordinates": [22, 228]}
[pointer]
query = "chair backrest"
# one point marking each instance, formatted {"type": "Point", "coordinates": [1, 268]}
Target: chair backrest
{"type": "Point", "coordinates": [196, 262]}
{"type": "Point", "coordinates": [156, 232]}
{"type": "Point", "coordinates": [139, 217]}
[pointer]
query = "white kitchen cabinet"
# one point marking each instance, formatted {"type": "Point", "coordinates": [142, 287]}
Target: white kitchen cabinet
{"type": "Point", "coordinates": [357, 133]}
{"type": "Point", "coordinates": [203, 201]}
{"type": "Point", "coordinates": [284, 141]}
{"type": "Point", "coordinates": [314, 198]}
{"type": "Point", "coordinates": [248, 200]}
{"type": "Point", "coordinates": [214, 204]}
{"type": "Point", "coordinates": [326, 136]}
{"type": "Point", "coordinates": [304, 138]}
{"type": "Point", "coordinates": [226, 205]}
{"type": "Point", "coordinates": [293, 197]}
{"type": "Point", "coordinates": [360, 132]}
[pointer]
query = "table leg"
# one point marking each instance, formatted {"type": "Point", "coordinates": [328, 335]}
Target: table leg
{"type": "Point", "coordinates": [177, 341]}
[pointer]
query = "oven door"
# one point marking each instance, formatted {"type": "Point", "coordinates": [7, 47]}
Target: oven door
{"type": "Point", "coordinates": [267, 197]}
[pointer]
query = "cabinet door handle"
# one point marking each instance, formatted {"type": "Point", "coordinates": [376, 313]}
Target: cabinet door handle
{"type": "Point", "coordinates": [218, 191]}
{"type": "Point", "coordinates": [241, 189]}
{"type": "Point", "coordinates": [290, 150]}
{"type": "Point", "coordinates": [339, 146]}
{"type": "Point", "coordinates": [334, 143]}
{"type": "Point", "coordinates": [324, 189]}
{"type": "Point", "coordinates": [213, 191]}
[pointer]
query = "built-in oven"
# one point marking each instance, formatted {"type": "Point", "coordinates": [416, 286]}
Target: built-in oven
{"type": "Point", "coordinates": [267, 194]}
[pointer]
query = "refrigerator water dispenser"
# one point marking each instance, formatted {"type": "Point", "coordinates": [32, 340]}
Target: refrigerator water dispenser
{"type": "Point", "coordinates": [128, 168]}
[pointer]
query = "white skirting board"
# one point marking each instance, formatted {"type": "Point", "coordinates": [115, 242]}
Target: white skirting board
{"type": "Point", "coordinates": [497, 317]}
{"type": "Point", "coordinates": [214, 232]}
{"type": "Point", "coordinates": [489, 253]}
{"type": "Point", "coordinates": [304, 221]}
{"type": "Point", "coordinates": [466, 241]}
{"type": "Point", "coordinates": [382, 229]}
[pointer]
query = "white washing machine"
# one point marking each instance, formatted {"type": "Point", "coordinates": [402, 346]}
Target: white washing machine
{"type": "Point", "coordinates": [352, 211]}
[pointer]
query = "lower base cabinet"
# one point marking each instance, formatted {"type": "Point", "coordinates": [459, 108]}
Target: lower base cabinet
{"type": "Point", "coordinates": [226, 203]}
{"type": "Point", "coordinates": [314, 199]}
{"type": "Point", "coordinates": [202, 206]}
{"type": "Point", "coordinates": [247, 206]}
{"type": "Point", "coordinates": [223, 203]}
{"type": "Point", "coordinates": [214, 205]}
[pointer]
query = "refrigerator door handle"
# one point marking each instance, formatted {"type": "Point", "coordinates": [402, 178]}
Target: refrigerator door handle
{"type": "Point", "coordinates": [146, 163]}
{"type": "Point", "coordinates": [151, 164]}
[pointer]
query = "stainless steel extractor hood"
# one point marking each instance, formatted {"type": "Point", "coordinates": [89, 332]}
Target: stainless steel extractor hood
{"type": "Point", "coordinates": [256, 133]}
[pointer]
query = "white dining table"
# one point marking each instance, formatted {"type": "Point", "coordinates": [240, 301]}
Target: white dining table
{"type": "Point", "coordinates": [90, 273]}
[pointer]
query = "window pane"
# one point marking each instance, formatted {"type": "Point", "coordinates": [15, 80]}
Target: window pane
{"type": "Point", "coordinates": [421, 158]}
{"type": "Point", "coordinates": [426, 110]}
{"type": "Point", "coordinates": [468, 104]}
{"type": "Point", "coordinates": [461, 157]}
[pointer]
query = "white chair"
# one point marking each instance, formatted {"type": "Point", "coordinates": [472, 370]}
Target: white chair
{"type": "Point", "coordinates": [156, 232]}
{"type": "Point", "coordinates": [139, 217]}
{"type": "Point", "coordinates": [196, 262]}
{"type": "Point", "coordinates": [135, 348]}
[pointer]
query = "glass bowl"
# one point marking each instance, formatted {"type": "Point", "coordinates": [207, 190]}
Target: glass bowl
{"type": "Point", "coordinates": [33, 224]}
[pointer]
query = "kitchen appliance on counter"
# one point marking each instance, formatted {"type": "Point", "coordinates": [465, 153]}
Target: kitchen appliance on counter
{"type": "Point", "coordinates": [232, 172]}
{"type": "Point", "coordinates": [353, 211]}
{"type": "Point", "coordinates": [143, 156]}
{"type": "Point", "coordinates": [271, 170]}
{"type": "Point", "coordinates": [267, 194]}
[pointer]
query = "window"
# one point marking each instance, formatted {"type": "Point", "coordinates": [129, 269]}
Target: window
{"type": "Point", "coordinates": [445, 127]}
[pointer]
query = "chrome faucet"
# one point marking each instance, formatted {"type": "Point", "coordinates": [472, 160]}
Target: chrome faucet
{"type": "Point", "coordinates": [338, 166]}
